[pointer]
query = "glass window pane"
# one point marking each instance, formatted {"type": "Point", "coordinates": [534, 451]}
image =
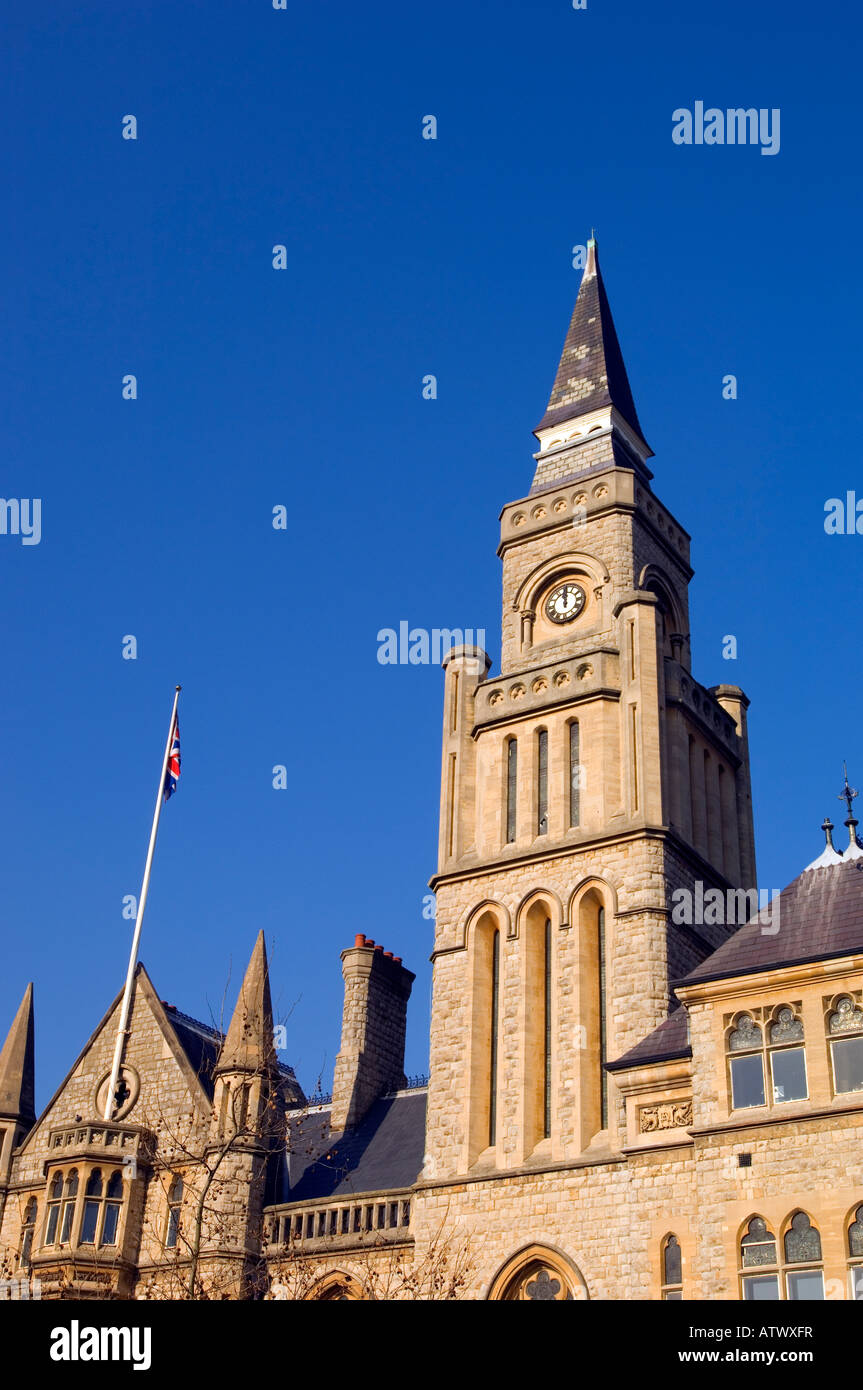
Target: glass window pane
{"type": "Point", "coordinates": [789, 1074]}
{"type": "Point", "coordinates": [66, 1229]}
{"type": "Point", "coordinates": [764, 1289]}
{"type": "Point", "coordinates": [802, 1241]}
{"type": "Point", "coordinates": [806, 1285]}
{"type": "Point", "coordinates": [857, 1283]}
{"type": "Point", "coordinates": [51, 1229]}
{"type": "Point", "coordinates": [173, 1228]}
{"type": "Point", "coordinates": [672, 1296]}
{"type": "Point", "coordinates": [746, 1036]}
{"type": "Point", "coordinates": [848, 1064]}
{"type": "Point", "coordinates": [672, 1271]}
{"type": "Point", "coordinates": [109, 1231]}
{"type": "Point", "coordinates": [747, 1081]}
{"type": "Point", "coordinates": [88, 1225]}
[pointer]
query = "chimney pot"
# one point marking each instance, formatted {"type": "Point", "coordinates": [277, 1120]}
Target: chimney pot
{"type": "Point", "coordinates": [369, 941]}
{"type": "Point", "coordinates": [359, 940]}
{"type": "Point", "coordinates": [388, 954]}
{"type": "Point", "coordinates": [379, 948]}
{"type": "Point", "coordinates": [397, 959]}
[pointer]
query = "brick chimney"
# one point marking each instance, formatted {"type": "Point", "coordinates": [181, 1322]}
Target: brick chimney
{"type": "Point", "coordinates": [371, 1058]}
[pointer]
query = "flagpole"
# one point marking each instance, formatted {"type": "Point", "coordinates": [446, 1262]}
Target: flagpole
{"type": "Point", "coordinates": [139, 917]}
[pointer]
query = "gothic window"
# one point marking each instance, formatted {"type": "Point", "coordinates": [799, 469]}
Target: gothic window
{"type": "Point", "coordinates": [542, 779]}
{"type": "Point", "coordinates": [92, 1207]}
{"type": "Point", "coordinates": [672, 1270]}
{"type": "Point", "coordinates": [845, 1032]}
{"type": "Point", "coordinates": [537, 1281]}
{"type": "Point", "coordinates": [603, 1024]}
{"type": "Point", "coordinates": [28, 1229]}
{"type": "Point", "coordinates": [759, 1274]}
{"type": "Point", "coordinates": [804, 1277]}
{"type": "Point", "coordinates": [511, 789]}
{"type": "Point", "coordinates": [787, 1057]}
{"type": "Point", "coordinates": [113, 1203]}
{"type": "Point", "coordinates": [495, 1010]}
{"type": "Point", "coordinates": [855, 1253]}
{"type": "Point", "coordinates": [52, 1214]}
{"type": "Point", "coordinates": [547, 1048]}
{"type": "Point", "coordinates": [70, 1197]}
{"type": "Point", "coordinates": [780, 1055]}
{"type": "Point", "coordinates": [574, 775]}
{"type": "Point", "coordinates": [175, 1202]}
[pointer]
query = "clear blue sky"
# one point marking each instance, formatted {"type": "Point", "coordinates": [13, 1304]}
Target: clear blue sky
{"type": "Point", "coordinates": [303, 388]}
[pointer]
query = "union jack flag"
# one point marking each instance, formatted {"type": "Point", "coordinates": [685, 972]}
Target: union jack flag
{"type": "Point", "coordinates": [172, 772]}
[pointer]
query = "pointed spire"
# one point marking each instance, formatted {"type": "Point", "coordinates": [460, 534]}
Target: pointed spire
{"type": "Point", "coordinates": [591, 373]}
{"type": "Point", "coordinates": [17, 1070]}
{"type": "Point", "coordinates": [249, 1042]}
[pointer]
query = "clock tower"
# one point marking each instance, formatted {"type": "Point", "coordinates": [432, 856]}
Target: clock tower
{"type": "Point", "coordinates": [580, 786]}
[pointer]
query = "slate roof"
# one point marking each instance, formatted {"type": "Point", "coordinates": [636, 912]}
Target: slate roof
{"type": "Point", "coordinates": [202, 1045]}
{"type": "Point", "coordinates": [591, 372]}
{"type": "Point", "coordinates": [820, 916]}
{"type": "Point", "coordinates": [667, 1042]}
{"type": "Point", "coordinates": [382, 1154]}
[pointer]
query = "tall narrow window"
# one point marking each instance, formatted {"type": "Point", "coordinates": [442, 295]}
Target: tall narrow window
{"type": "Point", "coordinates": [542, 770]}
{"type": "Point", "coordinates": [28, 1230]}
{"type": "Point", "coordinates": [804, 1281]}
{"type": "Point", "coordinates": [759, 1276]}
{"type": "Point", "coordinates": [855, 1252]}
{"type": "Point", "coordinates": [450, 831]}
{"type": "Point", "coordinates": [113, 1203]}
{"type": "Point", "coordinates": [454, 723]}
{"type": "Point", "coordinates": [511, 788]}
{"type": "Point", "coordinates": [574, 776]}
{"type": "Point", "coordinates": [70, 1197]}
{"type": "Point", "coordinates": [92, 1207]}
{"type": "Point", "coordinates": [52, 1215]}
{"type": "Point", "coordinates": [175, 1202]}
{"type": "Point", "coordinates": [495, 993]}
{"type": "Point", "coordinates": [546, 1126]}
{"type": "Point", "coordinates": [633, 717]}
{"type": "Point", "coordinates": [672, 1270]}
{"type": "Point", "coordinates": [603, 1077]}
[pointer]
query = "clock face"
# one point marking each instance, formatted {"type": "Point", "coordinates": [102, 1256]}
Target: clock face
{"type": "Point", "coordinates": [565, 603]}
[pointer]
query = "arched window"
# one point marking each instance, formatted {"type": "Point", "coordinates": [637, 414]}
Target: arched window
{"type": "Point", "coordinates": [575, 777]}
{"type": "Point", "coordinates": [52, 1211]}
{"type": "Point", "coordinates": [28, 1229]}
{"type": "Point", "coordinates": [855, 1255]}
{"type": "Point", "coordinates": [547, 1041]}
{"type": "Point", "coordinates": [542, 781]}
{"type": "Point", "coordinates": [603, 1019]}
{"type": "Point", "coordinates": [781, 1056]}
{"type": "Point", "coordinates": [759, 1272]}
{"type": "Point", "coordinates": [787, 1057]}
{"type": "Point", "coordinates": [175, 1203]}
{"type": "Point", "coordinates": [113, 1203]}
{"type": "Point", "coordinates": [672, 1270]}
{"type": "Point", "coordinates": [845, 1032]}
{"type": "Point", "coordinates": [70, 1197]}
{"type": "Point", "coordinates": [537, 1275]}
{"type": "Point", "coordinates": [494, 1040]}
{"type": "Point", "coordinates": [92, 1207]}
{"type": "Point", "coordinates": [511, 789]}
{"type": "Point", "coordinates": [804, 1277]}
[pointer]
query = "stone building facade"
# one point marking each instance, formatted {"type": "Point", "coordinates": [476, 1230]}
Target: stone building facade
{"type": "Point", "coordinates": [642, 1084]}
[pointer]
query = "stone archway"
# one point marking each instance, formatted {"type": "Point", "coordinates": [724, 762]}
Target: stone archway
{"type": "Point", "coordinates": [538, 1273]}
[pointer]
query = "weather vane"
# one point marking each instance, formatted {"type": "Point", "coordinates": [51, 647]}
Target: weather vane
{"type": "Point", "coordinates": [848, 793]}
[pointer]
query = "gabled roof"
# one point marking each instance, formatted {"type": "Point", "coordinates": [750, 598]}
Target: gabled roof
{"type": "Point", "coordinates": [591, 372]}
{"type": "Point", "coordinates": [384, 1153]}
{"type": "Point", "coordinates": [666, 1043]}
{"type": "Point", "coordinates": [820, 915]}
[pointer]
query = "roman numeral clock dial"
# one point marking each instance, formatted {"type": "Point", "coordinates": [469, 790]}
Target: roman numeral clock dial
{"type": "Point", "coordinates": [565, 603]}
